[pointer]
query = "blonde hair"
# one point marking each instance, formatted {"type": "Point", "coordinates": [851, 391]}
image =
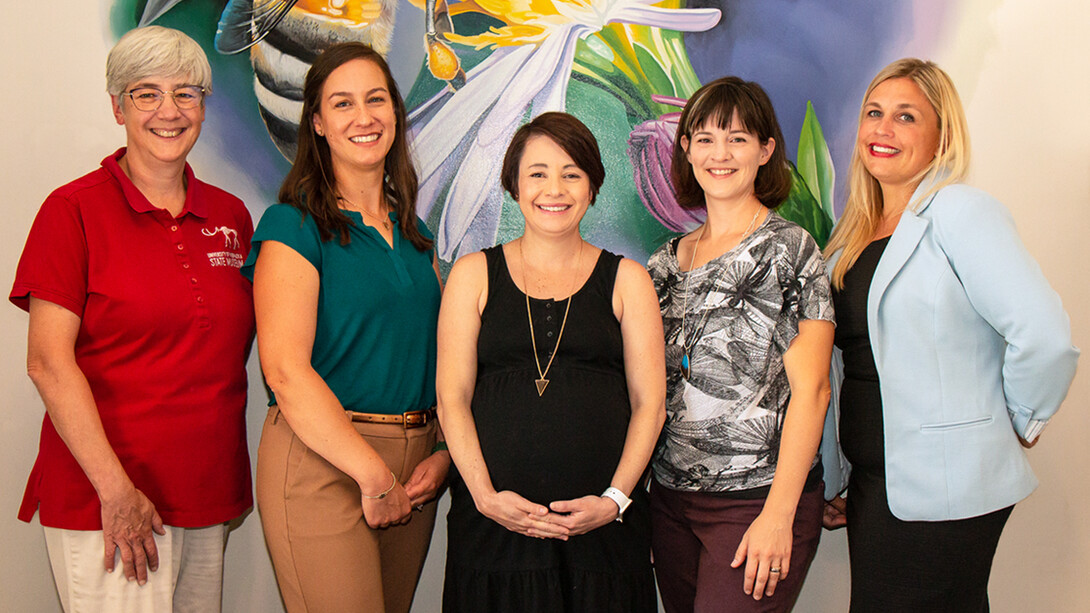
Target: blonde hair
{"type": "Point", "coordinates": [863, 211]}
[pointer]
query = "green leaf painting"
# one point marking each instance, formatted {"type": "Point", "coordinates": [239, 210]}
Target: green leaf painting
{"type": "Point", "coordinates": [803, 208]}
{"type": "Point", "coordinates": [814, 162]}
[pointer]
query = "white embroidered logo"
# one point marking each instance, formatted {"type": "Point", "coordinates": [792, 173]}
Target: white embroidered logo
{"type": "Point", "coordinates": [230, 241]}
{"type": "Point", "coordinates": [230, 236]}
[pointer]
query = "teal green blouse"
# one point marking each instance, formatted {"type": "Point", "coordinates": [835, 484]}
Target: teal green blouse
{"type": "Point", "coordinates": [377, 310]}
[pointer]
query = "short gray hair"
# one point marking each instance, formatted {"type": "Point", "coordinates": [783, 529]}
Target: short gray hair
{"type": "Point", "coordinates": [156, 51]}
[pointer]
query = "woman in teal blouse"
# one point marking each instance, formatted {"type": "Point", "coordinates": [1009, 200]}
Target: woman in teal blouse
{"type": "Point", "coordinates": [346, 291]}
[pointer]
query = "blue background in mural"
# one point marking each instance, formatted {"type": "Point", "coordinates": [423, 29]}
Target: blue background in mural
{"type": "Point", "coordinates": [825, 51]}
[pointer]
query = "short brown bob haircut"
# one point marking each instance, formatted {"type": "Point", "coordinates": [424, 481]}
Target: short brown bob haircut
{"type": "Point", "coordinates": [716, 103]}
{"type": "Point", "coordinates": [574, 138]}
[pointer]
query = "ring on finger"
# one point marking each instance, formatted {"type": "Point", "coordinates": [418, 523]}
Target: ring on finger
{"type": "Point", "coordinates": [775, 570]}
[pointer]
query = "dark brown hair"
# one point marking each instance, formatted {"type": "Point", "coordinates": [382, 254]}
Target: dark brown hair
{"type": "Point", "coordinates": [573, 137]}
{"type": "Point", "coordinates": [716, 103]}
{"type": "Point", "coordinates": [309, 184]}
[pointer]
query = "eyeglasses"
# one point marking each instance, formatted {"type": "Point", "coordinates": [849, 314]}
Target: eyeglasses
{"type": "Point", "coordinates": [151, 98]}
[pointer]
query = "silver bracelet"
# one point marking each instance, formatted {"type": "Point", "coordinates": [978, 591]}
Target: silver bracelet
{"type": "Point", "coordinates": [383, 494]}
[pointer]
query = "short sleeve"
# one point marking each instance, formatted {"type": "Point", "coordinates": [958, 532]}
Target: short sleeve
{"type": "Point", "coordinates": [815, 295]}
{"type": "Point", "coordinates": [285, 224]}
{"type": "Point", "coordinates": [424, 230]}
{"type": "Point", "coordinates": [806, 290]}
{"type": "Point", "coordinates": [657, 267]}
{"type": "Point", "coordinates": [246, 226]}
{"type": "Point", "coordinates": [426, 233]}
{"type": "Point", "coordinates": [53, 266]}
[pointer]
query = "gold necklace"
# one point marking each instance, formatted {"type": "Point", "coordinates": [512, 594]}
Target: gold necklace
{"type": "Point", "coordinates": [541, 382]}
{"type": "Point", "coordinates": [385, 221]}
{"type": "Point", "coordinates": [686, 347]}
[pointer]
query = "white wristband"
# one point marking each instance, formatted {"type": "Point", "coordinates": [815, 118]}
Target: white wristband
{"type": "Point", "coordinates": [618, 497]}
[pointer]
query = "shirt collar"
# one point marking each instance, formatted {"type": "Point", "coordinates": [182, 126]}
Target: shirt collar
{"type": "Point", "coordinates": [195, 203]}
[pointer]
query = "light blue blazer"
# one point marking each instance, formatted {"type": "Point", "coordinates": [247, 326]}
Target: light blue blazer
{"type": "Point", "coordinates": [972, 346]}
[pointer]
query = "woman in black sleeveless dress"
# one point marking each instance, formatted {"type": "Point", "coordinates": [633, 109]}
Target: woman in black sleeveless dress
{"type": "Point", "coordinates": [551, 394]}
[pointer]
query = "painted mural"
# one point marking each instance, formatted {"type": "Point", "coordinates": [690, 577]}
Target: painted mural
{"type": "Point", "coordinates": [473, 71]}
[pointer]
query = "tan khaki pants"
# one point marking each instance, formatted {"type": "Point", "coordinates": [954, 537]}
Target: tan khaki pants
{"type": "Point", "coordinates": [327, 559]}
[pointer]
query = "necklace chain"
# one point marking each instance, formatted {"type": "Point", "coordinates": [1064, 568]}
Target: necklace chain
{"type": "Point", "coordinates": [385, 221]}
{"type": "Point", "coordinates": [686, 346]}
{"type": "Point", "coordinates": [541, 382]}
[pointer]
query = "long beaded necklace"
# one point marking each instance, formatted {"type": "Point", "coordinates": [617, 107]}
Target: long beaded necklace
{"type": "Point", "coordinates": [541, 382]}
{"type": "Point", "coordinates": [686, 345]}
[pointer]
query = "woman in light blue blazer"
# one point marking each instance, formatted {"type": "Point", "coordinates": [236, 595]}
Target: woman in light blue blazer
{"type": "Point", "coordinates": [952, 353]}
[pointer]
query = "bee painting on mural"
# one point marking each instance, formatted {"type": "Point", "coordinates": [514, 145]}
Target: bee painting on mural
{"type": "Point", "coordinates": [284, 36]}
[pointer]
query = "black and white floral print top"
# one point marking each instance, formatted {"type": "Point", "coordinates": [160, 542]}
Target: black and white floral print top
{"type": "Point", "coordinates": [723, 424]}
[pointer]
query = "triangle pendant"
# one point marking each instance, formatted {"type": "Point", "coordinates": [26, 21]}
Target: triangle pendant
{"type": "Point", "coordinates": [541, 384]}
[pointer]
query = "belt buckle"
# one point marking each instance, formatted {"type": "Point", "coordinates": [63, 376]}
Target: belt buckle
{"type": "Point", "coordinates": [415, 419]}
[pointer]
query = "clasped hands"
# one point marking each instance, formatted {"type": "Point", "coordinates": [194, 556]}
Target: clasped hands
{"type": "Point", "coordinates": [559, 520]}
{"type": "Point", "coordinates": [395, 508]}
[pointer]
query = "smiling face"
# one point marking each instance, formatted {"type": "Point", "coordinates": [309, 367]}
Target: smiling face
{"type": "Point", "coordinates": [725, 160]}
{"type": "Point", "coordinates": [553, 192]}
{"type": "Point", "coordinates": [165, 135]}
{"type": "Point", "coordinates": [356, 116]}
{"type": "Point", "coordinates": [898, 133]}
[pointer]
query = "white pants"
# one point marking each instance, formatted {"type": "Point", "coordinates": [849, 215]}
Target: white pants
{"type": "Point", "coordinates": [189, 579]}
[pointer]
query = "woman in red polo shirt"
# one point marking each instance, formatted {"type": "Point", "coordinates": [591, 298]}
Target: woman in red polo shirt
{"type": "Point", "coordinates": [140, 327]}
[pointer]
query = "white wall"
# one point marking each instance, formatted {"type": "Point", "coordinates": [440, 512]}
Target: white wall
{"type": "Point", "coordinates": [1025, 96]}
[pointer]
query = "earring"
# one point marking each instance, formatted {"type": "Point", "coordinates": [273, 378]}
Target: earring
{"type": "Point", "coordinates": [319, 131]}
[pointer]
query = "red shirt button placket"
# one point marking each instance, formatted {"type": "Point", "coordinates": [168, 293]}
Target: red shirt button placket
{"type": "Point", "coordinates": [182, 256]}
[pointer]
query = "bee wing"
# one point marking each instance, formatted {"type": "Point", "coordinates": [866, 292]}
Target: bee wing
{"type": "Point", "coordinates": [154, 9]}
{"type": "Point", "coordinates": [245, 22]}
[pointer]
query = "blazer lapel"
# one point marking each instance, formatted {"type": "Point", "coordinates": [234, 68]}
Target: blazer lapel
{"type": "Point", "coordinates": [903, 242]}
{"type": "Point", "coordinates": [909, 231]}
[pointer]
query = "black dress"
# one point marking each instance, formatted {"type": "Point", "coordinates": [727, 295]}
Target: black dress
{"type": "Point", "coordinates": [897, 566]}
{"type": "Point", "coordinates": [561, 445]}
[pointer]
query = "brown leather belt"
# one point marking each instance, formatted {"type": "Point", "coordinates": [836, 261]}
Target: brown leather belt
{"type": "Point", "coordinates": [411, 419]}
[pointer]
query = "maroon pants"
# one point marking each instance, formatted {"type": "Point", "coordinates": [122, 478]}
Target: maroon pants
{"type": "Point", "coordinates": [694, 537]}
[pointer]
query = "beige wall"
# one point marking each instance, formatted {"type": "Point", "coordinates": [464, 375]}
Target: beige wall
{"type": "Point", "coordinates": [1025, 91]}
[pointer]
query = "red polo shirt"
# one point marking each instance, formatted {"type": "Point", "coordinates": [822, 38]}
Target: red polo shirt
{"type": "Point", "coordinates": [166, 326]}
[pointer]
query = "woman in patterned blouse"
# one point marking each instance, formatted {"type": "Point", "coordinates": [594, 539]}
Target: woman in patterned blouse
{"type": "Point", "coordinates": [736, 497]}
